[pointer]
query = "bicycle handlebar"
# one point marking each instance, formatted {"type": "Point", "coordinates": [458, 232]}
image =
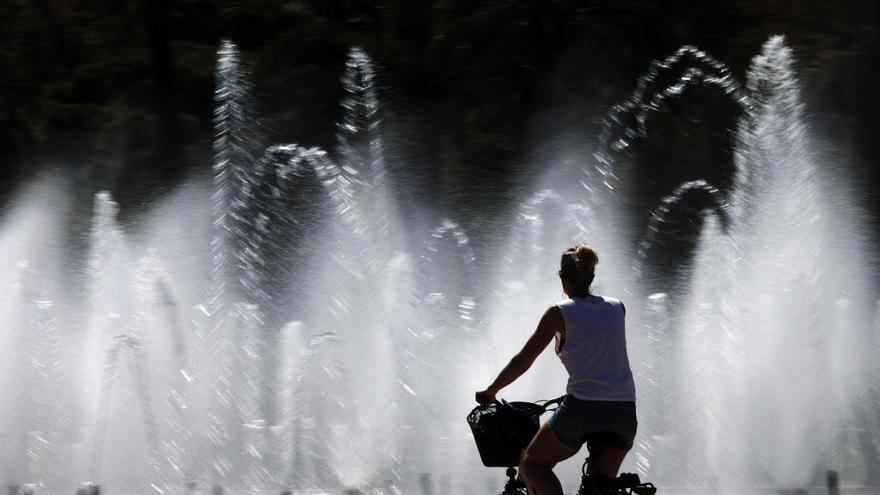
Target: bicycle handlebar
{"type": "Point", "coordinates": [545, 404]}
{"type": "Point", "coordinates": [557, 401]}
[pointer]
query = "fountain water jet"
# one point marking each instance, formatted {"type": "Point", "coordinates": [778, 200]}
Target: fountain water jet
{"type": "Point", "coordinates": [755, 356]}
{"type": "Point", "coordinates": [618, 133]}
{"type": "Point", "coordinates": [668, 204]}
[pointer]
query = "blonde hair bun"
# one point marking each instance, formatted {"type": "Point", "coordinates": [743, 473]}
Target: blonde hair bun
{"type": "Point", "coordinates": [578, 267]}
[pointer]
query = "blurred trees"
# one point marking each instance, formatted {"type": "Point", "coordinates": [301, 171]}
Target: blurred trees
{"type": "Point", "coordinates": [121, 91]}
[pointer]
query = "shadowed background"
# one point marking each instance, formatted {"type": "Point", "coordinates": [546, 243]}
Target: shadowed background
{"type": "Point", "coordinates": [121, 93]}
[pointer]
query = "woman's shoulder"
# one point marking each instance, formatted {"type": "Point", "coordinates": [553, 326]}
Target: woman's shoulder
{"type": "Point", "coordinates": [565, 303]}
{"type": "Point", "coordinates": [610, 300]}
{"type": "Point", "coordinates": [593, 301]}
{"type": "Point", "coordinates": [604, 302]}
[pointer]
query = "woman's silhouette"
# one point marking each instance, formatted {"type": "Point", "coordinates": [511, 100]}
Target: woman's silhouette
{"type": "Point", "coordinates": [600, 395]}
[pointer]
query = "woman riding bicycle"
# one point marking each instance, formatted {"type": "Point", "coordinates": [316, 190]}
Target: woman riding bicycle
{"type": "Point", "coordinates": [600, 395]}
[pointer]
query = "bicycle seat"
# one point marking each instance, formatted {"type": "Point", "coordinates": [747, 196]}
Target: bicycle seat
{"type": "Point", "coordinates": [599, 439]}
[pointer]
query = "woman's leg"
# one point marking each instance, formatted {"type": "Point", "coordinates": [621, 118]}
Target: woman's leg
{"type": "Point", "coordinates": [609, 461]}
{"type": "Point", "coordinates": [538, 460]}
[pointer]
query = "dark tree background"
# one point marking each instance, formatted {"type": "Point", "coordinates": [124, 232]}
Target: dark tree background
{"type": "Point", "coordinates": [120, 92]}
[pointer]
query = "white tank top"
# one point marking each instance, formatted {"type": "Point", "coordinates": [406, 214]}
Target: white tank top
{"type": "Point", "coordinates": [594, 349]}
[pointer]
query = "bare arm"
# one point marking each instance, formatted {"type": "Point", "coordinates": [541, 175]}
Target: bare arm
{"type": "Point", "coordinates": [550, 323]}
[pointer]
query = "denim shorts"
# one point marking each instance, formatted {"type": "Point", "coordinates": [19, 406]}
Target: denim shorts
{"type": "Point", "coordinates": [577, 421]}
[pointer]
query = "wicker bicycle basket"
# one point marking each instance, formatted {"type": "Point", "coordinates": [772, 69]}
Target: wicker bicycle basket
{"type": "Point", "coordinates": [502, 431]}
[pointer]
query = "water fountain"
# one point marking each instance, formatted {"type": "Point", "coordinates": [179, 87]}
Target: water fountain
{"type": "Point", "coordinates": [280, 329]}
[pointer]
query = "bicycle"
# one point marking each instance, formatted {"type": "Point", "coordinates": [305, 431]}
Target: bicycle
{"type": "Point", "coordinates": [502, 430]}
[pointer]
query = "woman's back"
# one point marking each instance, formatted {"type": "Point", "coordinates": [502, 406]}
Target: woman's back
{"type": "Point", "coordinates": [591, 341]}
{"type": "Point", "coordinates": [593, 349]}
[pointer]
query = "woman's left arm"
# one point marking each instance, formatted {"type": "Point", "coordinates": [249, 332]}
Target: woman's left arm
{"type": "Point", "coordinates": [550, 323]}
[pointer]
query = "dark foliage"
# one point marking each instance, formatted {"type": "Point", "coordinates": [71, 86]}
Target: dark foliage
{"type": "Point", "coordinates": [121, 92]}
